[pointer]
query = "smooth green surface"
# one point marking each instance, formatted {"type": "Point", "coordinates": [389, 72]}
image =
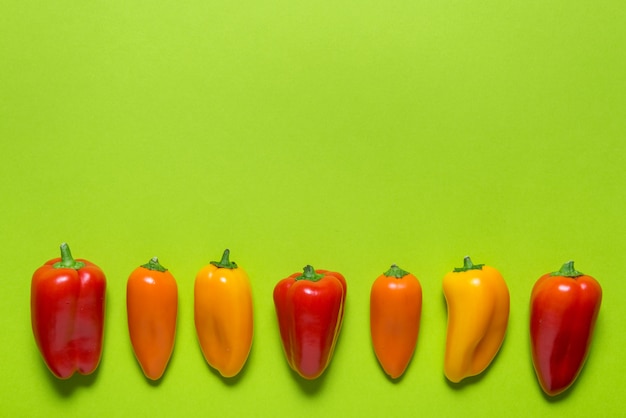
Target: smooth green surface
{"type": "Point", "coordinates": [349, 135]}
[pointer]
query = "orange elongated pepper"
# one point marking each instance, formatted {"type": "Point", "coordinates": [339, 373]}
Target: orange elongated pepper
{"type": "Point", "coordinates": [223, 315]}
{"type": "Point", "coordinates": [478, 313]}
{"type": "Point", "coordinates": [395, 312]}
{"type": "Point", "coordinates": [152, 306]}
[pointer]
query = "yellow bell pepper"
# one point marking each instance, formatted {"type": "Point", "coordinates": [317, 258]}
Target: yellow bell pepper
{"type": "Point", "coordinates": [223, 315]}
{"type": "Point", "coordinates": [478, 314]}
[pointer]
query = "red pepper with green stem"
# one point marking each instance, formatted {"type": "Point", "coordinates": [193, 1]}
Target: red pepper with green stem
{"type": "Point", "coordinates": [310, 308]}
{"type": "Point", "coordinates": [67, 314]}
{"type": "Point", "coordinates": [564, 308]}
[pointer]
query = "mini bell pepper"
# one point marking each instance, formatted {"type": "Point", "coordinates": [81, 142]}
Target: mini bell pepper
{"type": "Point", "coordinates": [310, 308]}
{"type": "Point", "coordinates": [564, 306]}
{"type": "Point", "coordinates": [395, 312]}
{"type": "Point", "coordinates": [223, 315]}
{"type": "Point", "coordinates": [67, 303]}
{"type": "Point", "coordinates": [478, 313]}
{"type": "Point", "coordinates": [152, 307]}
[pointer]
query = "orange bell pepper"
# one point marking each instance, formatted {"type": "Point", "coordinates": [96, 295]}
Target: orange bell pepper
{"type": "Point", "coordinates": [223, 315]}
{"type": "Point", "coordinates": [478, 314]}
{"type": "Point", "coordinates": [395, 312]}
{"type": "Point", "coordinates": [152, 305]}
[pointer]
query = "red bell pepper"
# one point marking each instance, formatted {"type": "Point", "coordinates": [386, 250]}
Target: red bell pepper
{"type": "Point", "coordinates": [67, 314]}
{"type": "Point", "coordinates": [310, 308]}
{"type": "Point", "coordinates": [563, 311]}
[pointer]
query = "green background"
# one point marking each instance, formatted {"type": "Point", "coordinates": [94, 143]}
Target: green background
{"type": "Point", "coordinates": [345, 134]}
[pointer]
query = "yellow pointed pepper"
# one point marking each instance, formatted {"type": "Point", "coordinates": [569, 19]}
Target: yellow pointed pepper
{"type": "Point", "coordinates": [223, 315]}
{"type": "Point", "coordinates": [478, 314]}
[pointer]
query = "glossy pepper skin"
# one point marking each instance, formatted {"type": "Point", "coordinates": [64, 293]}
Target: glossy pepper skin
{"type": "Point", "coordinates": [67, 314]}
{"type": "Point", "coordinates": [395, 312]}
{"type": "Point", "coordinates": [223, 315]}
{"type": "Point", "coordinates": [310, 308]}
{"type": "Point", "coordinates": [152, 307]}
{"type": "Point", "coordinates": [478, 313]}
{"type": "Point", "coordinates": [564, 306]}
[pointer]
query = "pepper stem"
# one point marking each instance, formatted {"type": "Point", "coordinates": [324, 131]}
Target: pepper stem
{"type": "Point", "coordinates": [567, 270]}
{"type": "Point", "coordinates": [310, 274]}
{"type": "Point", "coordinates": [468, 265]}
{"type": "Point", "coordinates": [67, 261]}
{"type": "Point", "coordinates": [396, 272]}
{"type": "Point", "coordinates": [225, 263]}
{"type": "Point", "coordinates": [154, 265]}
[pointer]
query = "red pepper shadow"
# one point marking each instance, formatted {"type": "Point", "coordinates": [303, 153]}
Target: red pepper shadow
{"type": "Point", "coordinates": [308, 387]}
{"type": "Point", "coordinates": [565, 395]}
{"type": "Point", "coordinates": [313, 387]}
{"type": "Point", "coordinates": [66, 387]}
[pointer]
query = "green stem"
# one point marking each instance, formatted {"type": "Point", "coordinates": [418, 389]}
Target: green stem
{"type": "Point", "coordinates": [225, 263]}
{"type": "Point", "coordinates": [67, 261]}
{"type": "Point", "coordinates": [468, 265]}
{"type": "Point", "coordinates": [396, 272]}
{"type": "Point", "coordinates": [567, 270]}
{"type": "Point", "coordinates": [154, 265]}
{"type": "Point", "coordinates": [310, 274]}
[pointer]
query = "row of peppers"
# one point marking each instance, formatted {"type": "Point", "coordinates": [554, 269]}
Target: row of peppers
{"type": "Point", "coordinates": [68, 303]}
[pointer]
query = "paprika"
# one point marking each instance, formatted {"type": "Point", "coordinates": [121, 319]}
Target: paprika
{"type": "Point", "coordinates": [223, 315]}
{"type": "Point", "coordinates": [152, 307]}
{"type": "Point", "coordinates": [564, 307]}
{"type": "Point", "coordinates": [395, 312]}
{"type": "Point", "coordinates": [478, 313]}
{"type": "Point", "coordinates": [310, 308]}
{"type": "Point", "coordinates": [67, 306]}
